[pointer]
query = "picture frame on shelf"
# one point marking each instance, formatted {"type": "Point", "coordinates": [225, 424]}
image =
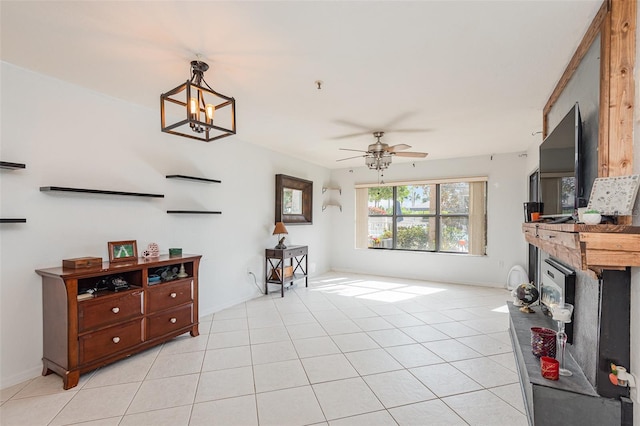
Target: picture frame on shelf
{"type": "Point", "coordinates": [123, 251]}
{"type": "Point", "coordinates": [614, 196]}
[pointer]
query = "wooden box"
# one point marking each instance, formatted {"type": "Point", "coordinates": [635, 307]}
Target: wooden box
{"type": "Point", "coordinates": [82, 262]}
{"type": "Point", "coordinates": [275, 273]}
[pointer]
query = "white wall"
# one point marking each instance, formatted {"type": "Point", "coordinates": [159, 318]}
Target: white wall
{"type": "Point", "coordinates": [507, 190]}
{"type": "Point", "coordinates": [69, 136]}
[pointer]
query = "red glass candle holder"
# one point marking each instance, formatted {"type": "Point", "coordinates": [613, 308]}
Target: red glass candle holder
{"type": "Point", "coordinates": [543, 342]}
{"type": "Point", "coordinates": [550, 368]}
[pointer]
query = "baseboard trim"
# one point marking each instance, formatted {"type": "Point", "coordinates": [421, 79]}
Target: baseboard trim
{"type": "Point", "coordinates": [25, 375]}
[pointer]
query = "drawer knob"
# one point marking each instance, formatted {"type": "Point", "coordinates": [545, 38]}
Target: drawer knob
{"type": "Point", "coordinates": [173, 320]}
{"type": "Point", "coordinates": [116, 339]}
{"type": "Point", "coordinates": [115, 310]}
{"type": "Point", "coordinates": [173, 295]}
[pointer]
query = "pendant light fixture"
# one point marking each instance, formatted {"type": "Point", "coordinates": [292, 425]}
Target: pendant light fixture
{"type": "Point", "coordinates": [196, 110]}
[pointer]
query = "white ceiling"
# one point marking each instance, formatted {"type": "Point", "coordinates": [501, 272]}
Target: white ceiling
{"type": "Point", "coordinates": [474, 75]}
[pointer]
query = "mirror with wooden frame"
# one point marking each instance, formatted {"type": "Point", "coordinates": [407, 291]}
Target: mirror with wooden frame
{"type": "Point", "coordinates": [294, 200]}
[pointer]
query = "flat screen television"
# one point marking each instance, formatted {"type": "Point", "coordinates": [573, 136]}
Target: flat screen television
{"type": "Point", "coordinates": [561, 181]}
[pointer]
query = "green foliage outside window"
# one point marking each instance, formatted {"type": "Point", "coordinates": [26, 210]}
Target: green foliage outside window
{"type": "Point", "coordinates": [413, 238]}
{"type": "Point", "coordinates": [429, 217]}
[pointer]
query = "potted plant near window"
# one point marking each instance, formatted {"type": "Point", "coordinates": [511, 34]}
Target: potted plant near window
{"type": "Point", "coordinates": [386, 239]}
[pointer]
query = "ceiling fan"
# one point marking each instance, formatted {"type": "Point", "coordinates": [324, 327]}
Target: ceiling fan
{"type": "Point", "coordinates": [378, 155]}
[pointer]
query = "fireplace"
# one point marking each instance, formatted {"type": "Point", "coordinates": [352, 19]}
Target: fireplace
{"type": "Point", "coordinates": [600, 335]}
{"type": "Point", "coordinates": [557, 287]}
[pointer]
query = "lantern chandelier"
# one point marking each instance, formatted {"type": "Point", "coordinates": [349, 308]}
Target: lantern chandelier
{"type": "Point", "coordinates": [196, 110]}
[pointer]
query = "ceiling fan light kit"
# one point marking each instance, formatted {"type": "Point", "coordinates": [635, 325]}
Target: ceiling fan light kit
{"type": "Point", "coordinates": [196, 111]}
{"type": "Point", "coordinates": [378, 161]}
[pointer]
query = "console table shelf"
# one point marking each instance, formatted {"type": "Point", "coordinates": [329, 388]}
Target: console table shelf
{"type": "Point", "coordinates": [197, 179]}
{"type": "Point", "coordinates": [11, 166]}
{"type": "Point", "coordinates": [98, 191]}
{"type": "Point", "coordinates": [585, 247]}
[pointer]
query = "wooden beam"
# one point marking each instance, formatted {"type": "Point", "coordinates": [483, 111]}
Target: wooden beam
{"type": "Point", "coordinates": [621, 87]}
{"type": "Point", "coordinates": [611, 241]}
{"type": "Point", "coordinates": [570, 256]}
{"type": "Point", "coordinates": [583, 47]}
{"type": "Point", "coordinates": [603, 119]}
{"type": "Point", "coordinates": [619, 143]}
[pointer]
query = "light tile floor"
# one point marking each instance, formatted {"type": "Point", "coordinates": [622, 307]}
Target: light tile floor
{"type": "Point", "coordinates": [348, 350]}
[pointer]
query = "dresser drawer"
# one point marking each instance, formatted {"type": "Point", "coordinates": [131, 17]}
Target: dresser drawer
{"type": "Point", "coordinates": [169, 321]}
{"type": "Point", "coordinates": [108, 310]}
{"type": "Point", "coordinates": [165, 296]}
{"type": "Point", "coordinates": [114, 339]}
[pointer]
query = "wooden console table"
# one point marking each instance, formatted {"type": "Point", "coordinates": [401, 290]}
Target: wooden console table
{"type": "Point", "coordinates": [82, 335]}
{"type": "Point", "coordinates": [275, 264]}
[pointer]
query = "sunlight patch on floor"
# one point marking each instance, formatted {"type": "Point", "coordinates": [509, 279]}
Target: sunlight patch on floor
{"type": "Point", "coordinates": [388, 296]}
{"type": "Point", "coordinates": [504, 309]}
{"type": "Point", "coordinates": [330, 280]}
{"type": "Point", "coordinates": [423, 291]}
{"type": "Point", "coordinates": [344, 290]}
{"type": "Point", "coordinates": [379, 285]}
{"type": "Point", "coordinates": [382, 291]}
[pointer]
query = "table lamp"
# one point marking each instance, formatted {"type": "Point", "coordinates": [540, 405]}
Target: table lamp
{"type": "Point", "coordinates": [279, 230]}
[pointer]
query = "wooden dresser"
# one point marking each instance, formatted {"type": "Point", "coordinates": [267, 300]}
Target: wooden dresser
{"type": "Point", "coordinates": [82, 335]}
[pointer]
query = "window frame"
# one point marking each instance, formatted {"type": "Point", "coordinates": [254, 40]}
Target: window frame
{"type": "Point", "coordinates": [436, 214]}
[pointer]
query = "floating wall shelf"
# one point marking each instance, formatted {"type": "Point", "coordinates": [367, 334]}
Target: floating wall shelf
{"type": "Point", "coordinates": [198, 179]}
{"type": "Point", "coordinates": [328, 188]}
{"type": "Point", "coordinates": [325, 205]}
{"type": "Point", "coordinates": [192, 212]}
{"type": "Point", "coordinates": [98, 191]}
{"type": "Point", "coordinates": [329, 202]}
{"type": "Point", "coordinates": [11, 166]}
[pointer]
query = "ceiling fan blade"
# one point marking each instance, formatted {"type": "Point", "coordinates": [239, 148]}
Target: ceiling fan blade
{"type": "Point", "coordinates": [347, 149]}
{"type": "Point", "coordinates": [410, 130]}
{"type": "Point", "coordinates": [411, 154]}
{"type": "Point", "coordinates": [352, 124]}
{"type": "Point", "coordinates": [351, 135]}
{"type": "Point", "coordinates": [399, 118]}
{"type": "Point", "coordinates": [398, 147]}
{"type": "Point", "coordinates": [349, 158]}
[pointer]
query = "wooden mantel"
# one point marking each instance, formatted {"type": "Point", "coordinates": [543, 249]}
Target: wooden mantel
{"type": "Point", "coordinates": [587, 247]}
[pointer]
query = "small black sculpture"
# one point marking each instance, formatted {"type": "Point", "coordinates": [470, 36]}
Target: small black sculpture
{"type": "Point", "coordinates": [281, 245]}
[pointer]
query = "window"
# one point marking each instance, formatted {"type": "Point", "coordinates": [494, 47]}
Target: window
{"type": "Point", "coordinates": [438, 216]}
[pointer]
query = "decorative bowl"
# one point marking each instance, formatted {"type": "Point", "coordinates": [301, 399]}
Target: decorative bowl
{"type": "Point", "coordinates": [591, 218]}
